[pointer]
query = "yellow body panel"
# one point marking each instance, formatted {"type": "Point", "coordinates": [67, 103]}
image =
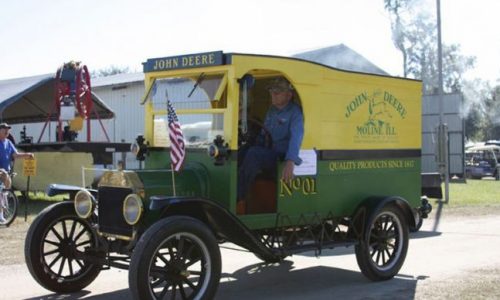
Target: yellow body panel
{"type": "Point", "coordinates": [347, 110]}
{"type": "Point", "coordinates": [342, 110]}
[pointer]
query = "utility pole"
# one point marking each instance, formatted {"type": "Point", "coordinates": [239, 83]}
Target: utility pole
{"type": "Point", "coordinates": [442, 129]}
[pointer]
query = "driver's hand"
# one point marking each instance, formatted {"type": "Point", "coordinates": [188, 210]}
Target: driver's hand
{"type": "Point", "coordinates": [288, 171]}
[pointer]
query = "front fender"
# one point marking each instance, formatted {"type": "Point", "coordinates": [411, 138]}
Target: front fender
{"type": "Point", "coordinates": [59, 189]}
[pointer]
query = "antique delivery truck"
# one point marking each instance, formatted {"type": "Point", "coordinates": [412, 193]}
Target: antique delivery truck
{"type": "Point", "coordinates": [359, 183]}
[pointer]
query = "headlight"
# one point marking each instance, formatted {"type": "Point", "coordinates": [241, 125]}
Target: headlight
{"type": "Point", "coordinates": [132, 209]}
{"type": "Point", "coordinates": [84, 204]}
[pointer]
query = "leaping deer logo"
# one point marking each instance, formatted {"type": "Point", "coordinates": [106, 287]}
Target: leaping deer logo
{"type": "Point", "coordinates": [378, 114]}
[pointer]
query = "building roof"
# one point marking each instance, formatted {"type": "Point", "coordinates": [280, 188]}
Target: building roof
{"type": "Point", "coordinates": [117, 79]}
{"type": "Point", "coordinates": [31, 99]}
{"type": "Point", "coordinates": [341, 57]}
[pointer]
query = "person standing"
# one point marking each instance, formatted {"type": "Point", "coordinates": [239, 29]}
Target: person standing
{"type": "Point", "coordinates": [7, 152]}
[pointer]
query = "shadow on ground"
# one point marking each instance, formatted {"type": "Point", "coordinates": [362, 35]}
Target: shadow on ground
{"type": "Point", "coordinates": [281, 281]}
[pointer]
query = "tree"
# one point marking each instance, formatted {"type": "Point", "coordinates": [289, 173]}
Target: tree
{"type": "Point", "coordinates": [481, 110]}
{"type": "Point", "coordinates": [108, 71]}
{"type": "Point", "coordinates": [473, 124]}
{"type": "Point", "coordinates": [399, 38]}
{"type": "Point", "coordinates": [492, 112]}
{"type": "Point", "coordinates": [414, 33]}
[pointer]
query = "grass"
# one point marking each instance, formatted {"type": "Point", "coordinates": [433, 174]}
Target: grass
{"type": "Point", "coordinates": [37, 202]}
{"type": "Point", "coordinates": [483, 192]}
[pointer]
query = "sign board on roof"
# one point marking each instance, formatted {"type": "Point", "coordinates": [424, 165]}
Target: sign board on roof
{"type": "Point", "coordinates": [184, 61]}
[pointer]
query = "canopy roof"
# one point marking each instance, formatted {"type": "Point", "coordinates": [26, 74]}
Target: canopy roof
{"type": "Point", "coordinates": [31, 99]}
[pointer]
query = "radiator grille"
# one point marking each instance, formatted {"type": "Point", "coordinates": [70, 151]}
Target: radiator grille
{"type": "Point", "coordinates": [110, 211]}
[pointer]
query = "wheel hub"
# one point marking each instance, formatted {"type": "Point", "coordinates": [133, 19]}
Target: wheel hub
{"type": "Point", "coordinates": [178, 271]}
{"type": "Point", "coordinates": [67, 248]}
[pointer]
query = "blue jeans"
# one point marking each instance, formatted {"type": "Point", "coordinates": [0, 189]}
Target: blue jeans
{"type": "Point", "coordinates": [256, 159]}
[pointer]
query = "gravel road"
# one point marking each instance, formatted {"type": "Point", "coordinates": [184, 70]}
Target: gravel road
{"type": "Point", "coordinates": [457, 261]}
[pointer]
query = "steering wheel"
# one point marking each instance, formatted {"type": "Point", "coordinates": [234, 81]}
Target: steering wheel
{"type": "Point", "coordinates": [255, 128]}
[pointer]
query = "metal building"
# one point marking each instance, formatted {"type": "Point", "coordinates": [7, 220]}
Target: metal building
{"type": "Point", "coordinates": [123, 94]}
{"type": "Point", "coordinates": [452, 104]}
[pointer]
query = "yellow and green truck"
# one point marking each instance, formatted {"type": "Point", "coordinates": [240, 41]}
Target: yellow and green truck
{"type": "Point", "coordinates": [359, 184]}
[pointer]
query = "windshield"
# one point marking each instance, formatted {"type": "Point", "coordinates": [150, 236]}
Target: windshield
{"type": "Point", "coordinates": [195, 99]}
{"type": "Point", "coordinates": [199, 130]}
{"type": "Point", "coordinates": [196, 92]}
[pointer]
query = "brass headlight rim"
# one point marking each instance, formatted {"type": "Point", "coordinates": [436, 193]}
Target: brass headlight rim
{"type": "Point", "coordinates": [90, 199]}
{"type": "Point", "coordinates": [141, 208]}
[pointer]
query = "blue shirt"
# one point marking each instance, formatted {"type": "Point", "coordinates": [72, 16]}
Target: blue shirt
{"type": "Point", "coordinates": [6, 151]}
{"type": "Point", "coordinates": [286, 127]}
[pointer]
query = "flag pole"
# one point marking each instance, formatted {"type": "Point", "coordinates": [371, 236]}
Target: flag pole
{"type": "Point", "coordinates": [173, 178]}
{"type": "Point", "coordinates": [171, 165]}
{"type": "Point", "coordinates": [177, 150]}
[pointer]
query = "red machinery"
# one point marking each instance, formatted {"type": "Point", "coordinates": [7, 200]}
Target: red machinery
{"type": "Point", "coordinates": [72, 96]}
{"type": "Point", "coordinates": [73, 86]}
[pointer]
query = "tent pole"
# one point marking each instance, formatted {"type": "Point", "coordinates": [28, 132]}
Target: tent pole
{"type": "Point", "coordinates": [45, 125]}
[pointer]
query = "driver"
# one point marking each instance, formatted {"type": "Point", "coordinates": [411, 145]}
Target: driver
{"type": "Point", "coordinates": [285, 123]}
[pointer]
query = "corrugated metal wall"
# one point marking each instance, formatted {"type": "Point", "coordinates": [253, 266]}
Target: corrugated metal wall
{"type": "Point", "coordinates": [452, 104]}
{"type": "Point", "coordinates": [124, 99]}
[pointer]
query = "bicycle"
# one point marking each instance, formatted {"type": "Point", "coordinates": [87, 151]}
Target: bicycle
{"type": "Point", "coordinates": [10, 205]}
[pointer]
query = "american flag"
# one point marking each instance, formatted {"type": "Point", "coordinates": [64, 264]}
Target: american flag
{"type": "Point", "coordinates": [177, 146]}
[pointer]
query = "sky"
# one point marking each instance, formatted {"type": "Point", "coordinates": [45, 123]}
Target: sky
{"type": "Point", "coordinates": [36, 37]}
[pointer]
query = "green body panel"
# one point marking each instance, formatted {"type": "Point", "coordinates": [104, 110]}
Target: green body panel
{"type": "Point", "coordinates": [198, 178]}
{"type": "Point", "coordinates": [338, 193]}
{"type": "Point", "coordinates": [337, 190]}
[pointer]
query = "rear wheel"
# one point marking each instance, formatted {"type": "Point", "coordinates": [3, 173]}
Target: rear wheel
{"type": "Point", "coordinates": [177, 258]}
{"type": "Point", "coordinates": [10, 206]}
{"type": "Point", "coordinates": [54, 246]}
{"type": "Point", "coordinates": [382, 250]}
{"type": "Point", "coordinates": [418, 223]}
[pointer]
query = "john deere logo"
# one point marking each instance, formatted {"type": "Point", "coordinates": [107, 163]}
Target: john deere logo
{"type": "Point", "coordinates": [380, 109]}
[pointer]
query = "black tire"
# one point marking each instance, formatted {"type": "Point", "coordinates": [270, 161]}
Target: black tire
{"type": "Point", "coordinates": [386, 235]}
{"type": "Point", "coordinates": [420, 222]}
{"type": "Point", "coordinates": [11, 206]}
{"type": "Point", "coordinates": [53, 239]}
{"type": "Point", "coordinates": [177, 258]}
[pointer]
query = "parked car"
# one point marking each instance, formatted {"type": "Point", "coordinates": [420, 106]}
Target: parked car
{"type": "Point", "coordinates": [482, 161]}
{"type": "Point", "coordinates": [359, 184]}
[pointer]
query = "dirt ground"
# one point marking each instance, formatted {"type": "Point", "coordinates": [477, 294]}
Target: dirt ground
{"type": "Point", "coordinates": [446, 281]}
{"type": "Point", "coordinates": [12, 242]}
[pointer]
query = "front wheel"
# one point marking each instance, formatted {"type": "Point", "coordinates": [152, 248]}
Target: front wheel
{"type": "Point", "coordinates": [9, 204]}
{"type": "Point", "coordinates": [382, 250]}
{"type": "Point", "coordinates": [55, 243]}
{"type": "Point", "coordinates": [177, 258]}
